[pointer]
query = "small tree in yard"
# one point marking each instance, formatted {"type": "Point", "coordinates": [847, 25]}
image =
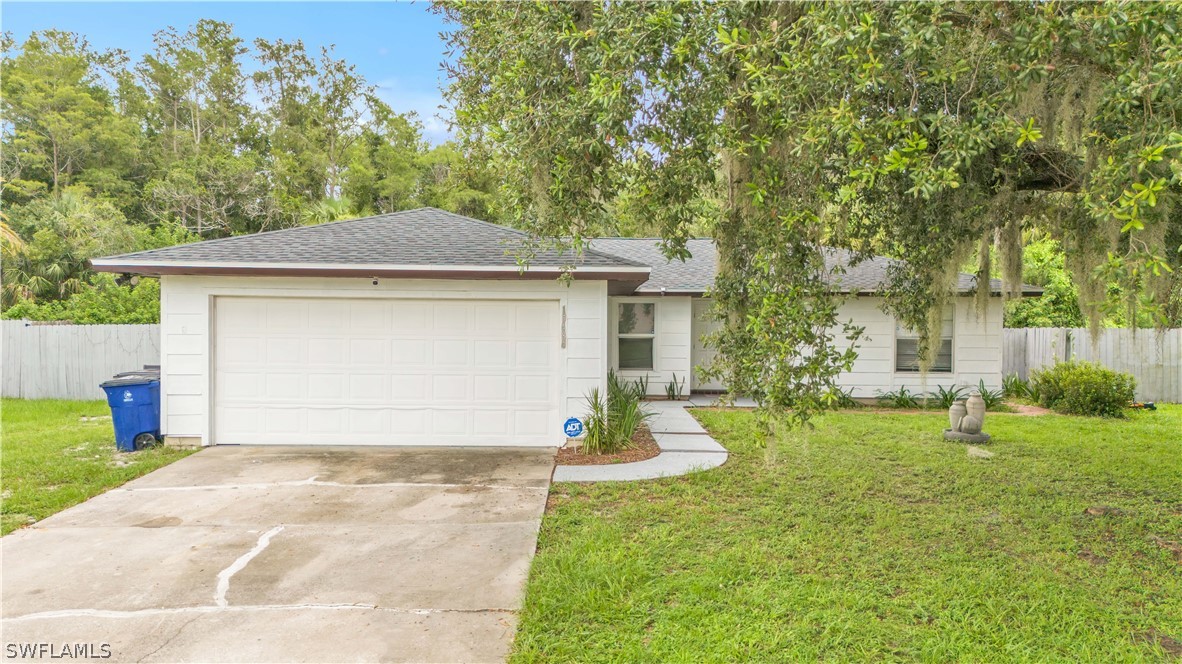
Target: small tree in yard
{"type": "Point", "coordinates": [920, 130]}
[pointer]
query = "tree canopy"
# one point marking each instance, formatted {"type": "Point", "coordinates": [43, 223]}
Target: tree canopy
{"type": "Point", "coordinates": [932, 132]}
{"type": "Point", "coordinates": [207, 135]}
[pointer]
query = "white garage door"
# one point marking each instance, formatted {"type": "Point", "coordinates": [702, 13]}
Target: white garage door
{"type": "Point", "coordinates": [386, 372]}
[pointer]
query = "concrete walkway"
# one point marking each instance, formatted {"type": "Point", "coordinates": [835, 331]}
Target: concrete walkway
{"type": "Point", "coordinates": [685, 448]}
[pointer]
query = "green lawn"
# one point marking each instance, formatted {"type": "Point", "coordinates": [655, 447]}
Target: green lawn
{"type": "Point", "coordinates": [871, 539]}
{"type": "Point", "coordinates": [51, 458]}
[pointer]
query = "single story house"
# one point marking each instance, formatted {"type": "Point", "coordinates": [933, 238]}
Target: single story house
{"type": "Point", "coordinates": [420, 328]}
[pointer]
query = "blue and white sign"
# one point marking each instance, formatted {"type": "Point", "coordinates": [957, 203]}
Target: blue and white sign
{"type": "Point", "coordinates": [573, 427]}
{"type": "Point", "coordinates": [127, 398]}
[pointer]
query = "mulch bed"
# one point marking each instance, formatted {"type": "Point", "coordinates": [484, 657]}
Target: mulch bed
{"type": "Point", "coordinates": [643, 447]}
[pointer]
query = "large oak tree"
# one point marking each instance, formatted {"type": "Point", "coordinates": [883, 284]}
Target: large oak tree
{"type": "Point", "coordinates": [926, 131]}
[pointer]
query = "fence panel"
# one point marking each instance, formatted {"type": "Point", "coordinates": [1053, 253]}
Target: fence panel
{"type": "Point", "coordinates": [1153, 358]}
{"type": "Point", "coordinates": [69, 361]}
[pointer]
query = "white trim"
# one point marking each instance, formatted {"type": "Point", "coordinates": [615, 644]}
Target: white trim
{"type": "Point", "coordinates": [100, 262]}
{"type": "Point", "coordinates": [615, 336]}
{"type": "Point", "coordinates": [952, 351]}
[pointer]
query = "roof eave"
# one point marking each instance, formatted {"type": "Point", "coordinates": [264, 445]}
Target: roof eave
{"type": "Point", "coordinates": [162, 268]}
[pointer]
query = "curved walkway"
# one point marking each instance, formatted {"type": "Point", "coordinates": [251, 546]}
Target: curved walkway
{"type": "Point", "coordinates": [685, 448]}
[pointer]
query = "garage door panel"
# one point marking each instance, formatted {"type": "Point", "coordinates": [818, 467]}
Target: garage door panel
{"type": "Point", "coordinates": [368, 388]}
{"type": "Point", "coordinates": [325, 420]}
{"type": "Point", "coordinates": [368, 352]}
{"type": "Point", "coordinates": [285, 350]}
{"type": "Point", "coordinates": [345, 372]}
{"type": "Point", "coordinates": [283, 420]}
{"type": "Point", "coordinates": [491, 388]}
{"type": "Point", "coordinates": [536, 354]}
{"type": "Point", "coordinates": [493, 318]}
{"type": "Point", "coordinates": [410, 352]}
{"type": "Point", "coordinates": [409, 387]}
{"type": "Point", "coordinates": [328, 316]}
{"type": "Point", "coordinates": [240, 349]}
{"type": "Point", "coordinates": [452, 317]}
{"type": "Point", "coordinates": [368, 421]}
{"type": "Point", "coordinates": [493, 353]}
{"type": "Point", "coordinates": [284, 386]}
{"type": "Point", "coordinates": [491, 422]}
{"type": "Point", "coordinates": [451, 422]}
{"type": "Point", "coordinates": [369, 316]}
{"type": "Point", "coordinates": [532, 388]}
{"type": "Point", "coordinates": [450, 352]}
{"type": "Point", "coordinates": [328, 387]}
{"type": "Point", "coordinates": [325, 350]}
{"type": "Point", "coordinates": [409, 316]}
{"type": "Point", "coordinates": [448, 388]}
{"type": "Point", "coordinates": [286, 314]}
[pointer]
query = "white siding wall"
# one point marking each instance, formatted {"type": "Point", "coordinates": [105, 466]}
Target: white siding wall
{"type": "Point", "coordinates": [976, 348]}
{"type": "Point", "coordinates": [186, 322]}
{"type": "Point", "coordinates": [671, 352]}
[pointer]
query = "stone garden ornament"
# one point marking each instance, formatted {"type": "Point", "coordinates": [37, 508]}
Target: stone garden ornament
{"type": "Point", "coordinates": [967, 419]}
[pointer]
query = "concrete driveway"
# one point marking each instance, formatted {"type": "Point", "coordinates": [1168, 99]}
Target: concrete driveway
{"type": "Point", "coordinates": [269, 554]}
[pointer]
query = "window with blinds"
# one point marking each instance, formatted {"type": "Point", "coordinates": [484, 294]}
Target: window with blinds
{"type": "Point", "coordinates": [907, 348]}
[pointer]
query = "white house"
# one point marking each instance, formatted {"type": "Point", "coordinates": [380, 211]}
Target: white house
{"type": "Point", "coordinates": [419, 328]}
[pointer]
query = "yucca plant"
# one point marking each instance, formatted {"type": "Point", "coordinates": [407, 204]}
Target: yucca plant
{"type": "Point", "coordinates": [597, 437]}
{"type": "Point", "coordinates": [612, 421]}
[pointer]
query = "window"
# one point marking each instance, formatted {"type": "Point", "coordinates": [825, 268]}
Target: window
{"type": "Point", "coordinates": [636, 332]}
{"type": "Point", "coordinates": [907, 348]}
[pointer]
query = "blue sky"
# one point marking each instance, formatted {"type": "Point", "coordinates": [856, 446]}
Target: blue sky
{"type": "Point", "coordinates": [395, 45]}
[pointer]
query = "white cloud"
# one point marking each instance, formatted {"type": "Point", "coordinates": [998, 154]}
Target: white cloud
{"type": "Point", "coordinates": [427, 103]}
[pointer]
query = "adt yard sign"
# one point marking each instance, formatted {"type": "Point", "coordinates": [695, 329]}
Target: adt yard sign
{"type": "Point", "coordinates": [573, 427]}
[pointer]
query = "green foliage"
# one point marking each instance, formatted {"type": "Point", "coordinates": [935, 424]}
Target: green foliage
{"type": "Point", "coordinates": [901, 398]}
{"type": "Point", "coordinates": [909, 129]}
{"type": "Point", "coordinates": [674, 389]}
{"type": "Point", "coordinates": [912, 534]}
{"type": "Point", "coordinates": [101, 155]}
{"type": "Point", "coordinates": [60, 453]}
{"type": "Point", "coordinates": [103, 303]}
{"type": "Point", "coordinates": [992, 398]}
{"type": "Point", "coordinates": [597, 438]}
{"type": "Point", "coordinates": [1013, 386]}
{"type": "Point", "coordinates": [1058, 306]}
{"type": "Point", "coordinates": [612, 422]}
{"type": "Point", "coordinates": [843, 399]}
{"type": "Point", "coordinates": [1084, 388]}
{"type": "Point", "coordinates": [945, 397]}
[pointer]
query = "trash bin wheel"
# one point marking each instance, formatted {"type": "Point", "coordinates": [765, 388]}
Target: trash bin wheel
{"type": "Point", "coordinates": [145, 440]}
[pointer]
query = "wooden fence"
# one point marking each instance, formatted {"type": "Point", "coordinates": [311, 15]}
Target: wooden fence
{"type": "Point", "coordinates": [46, 361]}
{"type": "Point", "coordinates": [1153, 358]}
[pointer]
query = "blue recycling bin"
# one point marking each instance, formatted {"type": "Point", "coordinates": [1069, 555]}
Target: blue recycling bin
{"type": "Point", "coordinates": [135, 411]}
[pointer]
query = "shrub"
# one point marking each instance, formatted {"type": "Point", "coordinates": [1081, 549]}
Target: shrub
{"type": "Point", "coordinates": [992, 398]}
{"type": "Point", "coordinates": [839, 398]}
{"type": "Point", "coordinates": [612, 422]}
{"type": "Point", "coordinates": [1013, 386]}
{"type": "Point", "coordinates": [1083, 388]}
{"type": "Point", "coordinates": [946, 396]}
{"type": "Point", "coordinates": [900, 398]}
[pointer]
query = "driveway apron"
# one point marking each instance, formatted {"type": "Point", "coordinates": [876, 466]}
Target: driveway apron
{"type": "Point", "coordinates": [277, 554]}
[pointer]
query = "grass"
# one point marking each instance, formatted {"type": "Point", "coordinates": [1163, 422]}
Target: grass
{"type": "Point", "coordinates": [52, 459]}
{"type": "Point", "coordinates": [871, 539]}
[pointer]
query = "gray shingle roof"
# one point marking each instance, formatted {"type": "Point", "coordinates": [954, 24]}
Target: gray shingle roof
{"type": "Point", "coordinates": [422, 237]}
{"type": "Point", "coordinates": [696, 274]}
